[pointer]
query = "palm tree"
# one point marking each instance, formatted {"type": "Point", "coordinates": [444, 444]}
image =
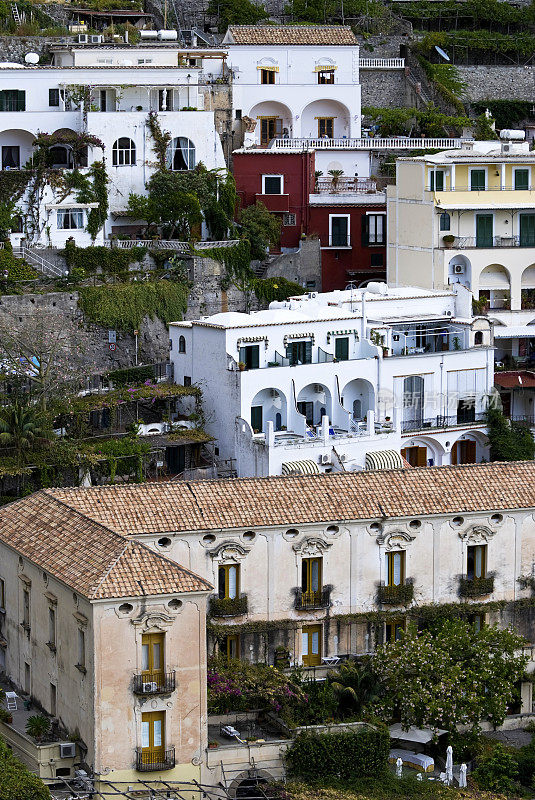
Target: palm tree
{"type": "Point", "coordinates": [335, 174]}
{"type": "Point", "coordinates": [20, 428]}
{"type": "Point", "coordinates": [355, 687]}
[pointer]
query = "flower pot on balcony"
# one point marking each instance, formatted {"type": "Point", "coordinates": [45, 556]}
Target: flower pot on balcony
{"type": "Point", "coordinates": [241, 366]}
{"type": "Point", "coordinates": [448, 241]}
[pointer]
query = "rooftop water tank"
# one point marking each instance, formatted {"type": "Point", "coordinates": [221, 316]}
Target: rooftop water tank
{"type": "Point", "coordinates": [517, 136]}
{"type": "Point", "coordinates": [149, 34]}
{"type": "Point", "coordinates": [167, 36]}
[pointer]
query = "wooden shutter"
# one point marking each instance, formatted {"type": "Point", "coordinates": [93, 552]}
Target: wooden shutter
{"type": "Point", "coordinates": [454, 454]}
{"type": "Point", "coordinates": [422, 456]}
{"type": "Point", "coordinates": [470, 452]}
{"type": "Point", "coordinates": [365, 230]}
{"type": "Point", "coordinates": [404, 453]}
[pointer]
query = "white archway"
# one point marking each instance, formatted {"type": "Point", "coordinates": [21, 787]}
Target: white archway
{"type": "Point", "coordinates": [495, 283]}
{"type": "Point", "coordinates": [16, 148]}
{"type": "Point", "coordinates": [460, 271]}
{"type": "Point", "coordinates": [269, 405]}
{"type": "Point", "coordinates": [314, 401]}
{"type": "Point", "coordinates": [274, 120]}
{"type": "Point", "coordinates": [313, 114]}
{"type": "Point", "coordinates": [358, 397]}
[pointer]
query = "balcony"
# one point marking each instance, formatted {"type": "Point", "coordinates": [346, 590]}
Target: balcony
{"type": "Point", "coordinates": [392, 143]}
{"type": "Point", "coordinates": [339, 240]}
{"type": "Point", "coordinates": [154, 760]}
{"type": "Point", "coordinates": [476, 587]}
{"type": "Point", "coordinates": [345, 185]}
{"type": "Point", "coordinates": [154, 682]}
{"type": "Point", "coordinates": [400, 595]}
{"type": "Point", "coordinates": [228, 606]}
{"type": "Point", "coordinates": [467, 242]}
{"type": "Point", "coordinates": [441, 423]}
{"type": "Point", "coordinates": [308, 601]}
{"type": "Point", "coordinates": [275, 202]}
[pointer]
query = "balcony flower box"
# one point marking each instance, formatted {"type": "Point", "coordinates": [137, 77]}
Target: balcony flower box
{"type": "Point", "coordinates": [476, 587]}
{"type": "Point", "coordinates": [228, 607]}
{"type": "Point", "coordinates": [400, 595]}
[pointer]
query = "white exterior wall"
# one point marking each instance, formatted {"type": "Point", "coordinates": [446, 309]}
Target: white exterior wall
{"type": "Point", "coordinates": [127, 90]}
{"type": "Point", "coordinates": [213, 352]}
{"type": "Point", "coordinates": [353, 554]}
{"type": "Point", "coordinates": [296, 95]}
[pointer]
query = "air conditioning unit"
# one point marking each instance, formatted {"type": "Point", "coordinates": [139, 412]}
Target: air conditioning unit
{"type": "Point", "coordinates": [325, 458]}
{"type": "Point", "coordinates": [273, 393]}
{"type": "Point", "coordinates": [67, 750]}
{"type": "Point", "coordinates": [458, 269]}
{"type": "Point", "coordinates": [96, 39]}
{"type": "Point", "coordinates": [318, 388]}
{"type": "Point", "coordinates": [82, 38]}
{"type": "Point", "coordinates": [151, 686]}
{"type": "Point", "coordinates": [342, 457]}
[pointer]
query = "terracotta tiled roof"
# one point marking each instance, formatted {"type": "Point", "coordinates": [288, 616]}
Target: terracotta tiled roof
{"type": "Point", "coordinates": [293, 500]}
{"type": "Point", "coordinates": [291, 35]}
{"type": "Point", "coordinates": [519, 379]}
{"type": "Point", "coordinates": [91, 559]}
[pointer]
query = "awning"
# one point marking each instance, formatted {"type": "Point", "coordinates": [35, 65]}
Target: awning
{"type": "Point", "coordinates": [305, 467]}
{"type": "Point", "coordinates": [268, 69]}
{"type": "Point", "coordinates": [326, 68]}
{"type": "Point", "coordinates": [416, 735]}
{"type": "Point", "coordinates": [71, 205]}
{"type": "Point", "coordinates": [514, 332]}
{"type": "Point", "coordinates": [384, 459]}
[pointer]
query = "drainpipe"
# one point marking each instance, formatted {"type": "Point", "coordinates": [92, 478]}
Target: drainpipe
{"type": "Point", "coordinates": [363, 319]}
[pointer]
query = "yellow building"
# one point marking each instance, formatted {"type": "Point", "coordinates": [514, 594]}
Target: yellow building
{"type": "Point", "coordinates": [466, 216]}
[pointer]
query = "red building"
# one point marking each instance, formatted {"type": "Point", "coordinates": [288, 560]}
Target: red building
{"type": "Point", "coordinates": [349, 217]}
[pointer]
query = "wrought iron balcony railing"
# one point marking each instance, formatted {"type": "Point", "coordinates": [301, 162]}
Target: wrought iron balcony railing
{"type": "Point", "coordinates": [400, 595]}
{"type": "Point", "coordinates": [305, 601]}
{"type": "Point", "coordinates": [228, 606]}
{"type": "Point", "coordinates": [476, 587]}
{"type": "Point", "coordinates": [465, 417]}
{"type": "Point", "coordinates": [154, 682]}
{"type": "Point", "coordinates": [154, 760]}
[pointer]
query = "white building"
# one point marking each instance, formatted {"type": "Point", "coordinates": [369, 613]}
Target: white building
{"type": "Point", "coordinates": [342, 381]}
{"type": "Point", "coordinates": [105, 92]}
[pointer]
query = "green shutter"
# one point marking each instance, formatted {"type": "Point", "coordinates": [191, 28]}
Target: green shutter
{"type": "Point", "coordinates": [256, 418]}
{"type": "Point", "coordinates": [254, 353]}
{"type": "Point", "coordinates": [308, 352]}
{"type": "Point", "coordinates": [21, 101]}
{"type": "Point", "coordinates": [439, 181]}
{"type": "Point", "coordinates": [2, 101]}
{"type": "Point", "coordinates": [521, 179]}
{"type": "Point", "coordinates": [527, 230]}
{"type": "Point", "coordinates": [483, 230]}
{"type": "Point", "coordinates": [341, 349]}
{"type": "Point", "coordinates": [477, 180]}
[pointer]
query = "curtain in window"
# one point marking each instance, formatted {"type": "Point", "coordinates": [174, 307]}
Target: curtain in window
{"type": "Point", "coordinates": [232, 582]}
{"type": "Point", "coordinates": [145, 734]}
{"type": "Point", "coordinates": [70, 218]}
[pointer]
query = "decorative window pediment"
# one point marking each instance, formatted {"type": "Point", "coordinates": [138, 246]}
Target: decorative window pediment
{"type": "Point", "coordinates": [311, 546]}
{"type": "Point", "coordinates": [477, 534]}
{"type": "Point", "coordinates": [229, 551]}
{"type": "Point", "coordinates": [155, 621]}
{"type": "Point", "coordinates": [394, 539]}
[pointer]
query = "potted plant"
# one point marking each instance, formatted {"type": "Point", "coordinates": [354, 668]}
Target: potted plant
{"type": "Point", "coordinates": [385, 352]}
{"type": "Point", "coordinates": [448, 240]}
{"type": "Point", "coordinates": [241, 365]}
{"type": "Point", "coordinates": [335, 174]}
{"type": "Point", "coordinates": [37, 727]}
{"type": "Point", "coordinates": [6, 716]}
{"type": "Point", "coordinates": [212, 744]}
{"type": "Point", "coordinates": [317, 175]}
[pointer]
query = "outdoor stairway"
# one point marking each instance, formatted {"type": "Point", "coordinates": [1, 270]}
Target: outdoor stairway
{"type": "Point", "coordinates": [41, 264]}
{"type": "Point", "coordinates": [15, 12]}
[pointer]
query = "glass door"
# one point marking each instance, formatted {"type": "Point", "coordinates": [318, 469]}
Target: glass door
{"type": "Point", "coordinates": [153, 737]}
{"type": "Point", "coordinates": [152, 656]}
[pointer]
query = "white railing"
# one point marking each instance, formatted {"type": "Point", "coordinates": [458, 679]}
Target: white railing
{"type": "Point", "coordinates": [40, 263]}
{"type": "Point", "coordinates": [382, 63]}
{"type": "Point", "coordinates": [344, 185]}
{"type": "Point", "coordinates": [167, 244]}
{"type": "Point", "coordinates": [393, 143]}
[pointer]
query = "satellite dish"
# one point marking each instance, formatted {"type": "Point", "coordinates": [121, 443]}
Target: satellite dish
{"type": "Point", "coordinates": [31, 58]}
{"type": "Point", "coordinates": [441, 52]}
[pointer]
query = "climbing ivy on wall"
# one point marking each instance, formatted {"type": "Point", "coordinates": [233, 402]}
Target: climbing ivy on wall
{"type": "Point", "coordinates": [123, 306]}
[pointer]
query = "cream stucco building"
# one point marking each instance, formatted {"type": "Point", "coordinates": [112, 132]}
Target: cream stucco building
{"type": "Point", "coordinates": [93, 629]}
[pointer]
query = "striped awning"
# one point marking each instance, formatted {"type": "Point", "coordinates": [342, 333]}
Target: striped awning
{"type": "Point", "coordinates": [268, 69]}
{"type": "Point", "coordinates": [325, 68]}
{"type": "Point", "coordinates": [384, 459]}
{"type": "Point", "coordinates": [305, 467]}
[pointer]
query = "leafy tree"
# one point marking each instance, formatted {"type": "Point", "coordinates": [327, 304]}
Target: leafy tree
{"type": "Point", "coordinates": [483, 130]}
{"type": "Point", "coordinates": [236, 12]}
{"type": "Point", "coordinates": [16, 781]}
{"type": "Point", "coordinates": [7, 212]}
{"type": "Point", "coordinates": [509, 441]}
{"type": "Point", "coordinates": [355, 687]}
{"type": "Point", "coordinates": [452, 676]}
{"type": "Point", "coordinates": [261, 228]}
{"type": "Point", "coordinates": [45, 350]}
{"type": "Point", "coordinates": [20, 428]}
{"type": "Point", "coordinates": [167, 205]}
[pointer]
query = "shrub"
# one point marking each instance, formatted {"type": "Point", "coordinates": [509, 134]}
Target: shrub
{"type": "Point", "coordinates": [509, 441]}
{"type": "Point", "coordinates": [17, 269]}
{"type": "Point", "coordinates": [16, 781]}
{"type": "Point", "coordinates": [122, 377]}
{"type": "Point", "coordinates": [339, 755]}
{"type": "Point", "coordinates": [110, 260]}
{"type": "Point", "coordinates": [239, 686]}
{"type": "Point", "coordinates": [270, 289]}
{"type": "Point", "coordinates": [498, 771]}
{"type": "Point", "coordinates": [124, 306]}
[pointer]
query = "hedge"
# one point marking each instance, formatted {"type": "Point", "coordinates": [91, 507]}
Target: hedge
{"type": "Point", "coordinates": [123, 377]}
{"type": "Point", "coordinates": [344, 755]}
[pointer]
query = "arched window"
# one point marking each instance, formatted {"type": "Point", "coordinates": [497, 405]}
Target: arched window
{"type": "Point", "coordinates": [181, 345]}
{"type": "Point", "coordinates": [278, 421]}
{"type": "Point", "coordinates": [445, 221]}
{"type": "Point", "coordinates": [181, 154]}
{"type": "Point", "coordinates": [478, 337]}
{"type": "Point", "coordinates": [124, 153]}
